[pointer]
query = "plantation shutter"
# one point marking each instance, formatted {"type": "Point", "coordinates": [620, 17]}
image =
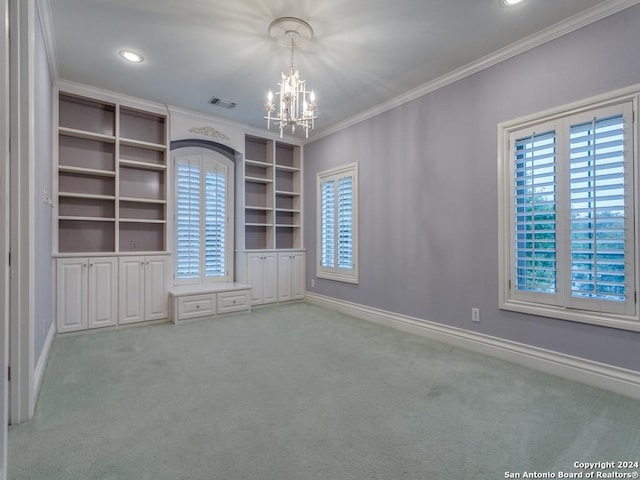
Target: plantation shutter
{"type": "Point", "coordinates": [345, 222]}
{"type": "Point", "coordinates": [601, 197]}
{"type": "Point", "coordinates": [215, 221]}
{"type": "Point", "coordinates": [188, 218]}
{"type": "Point", "coordinates": [535, 247]}
{"type": "Point", "coordinates": [338, 223]}
{"type": "Point", "coordinates": [202, 217]}
{"type": "Point", "coordinates": [327, 224]}
{"type": "Point", "coordinates": [569, 177]}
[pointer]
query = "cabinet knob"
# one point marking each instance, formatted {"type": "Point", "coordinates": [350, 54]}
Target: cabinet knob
{"type": "Point", "coordinates": [197, 306]}
{"type": "Point", "coordinates": [234, 302]}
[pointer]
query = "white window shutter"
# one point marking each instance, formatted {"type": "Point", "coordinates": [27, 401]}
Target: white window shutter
{"type": "Point", "coordinates": [338, 224]}
{"type": "Point", "coordinates": [202, 235]}
{"type": "Point", "coordinates": [345, 223]}
{"type": "Point", "coordinates": [601, 228]}
{"type": "Point", "coordinates": [535, 236]}
{"type": "Point", "coordinates": [327, 229]}
{"type": "Point", "coordinates": [215, 222]}
{"type": "Point", "coordinates": [572, 232]}
{"type": "Point", "coordinates": [188, 219]}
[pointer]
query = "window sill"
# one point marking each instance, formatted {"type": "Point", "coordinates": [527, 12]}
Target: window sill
{"type": "Point", "coordinates": [337, 277]}
{"type": "Point", "coordinates": [620, 322]}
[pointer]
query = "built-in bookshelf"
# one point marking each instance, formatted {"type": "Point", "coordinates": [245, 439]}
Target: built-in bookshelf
{"type": "Point", "coordinates": [112, 177]}
{"type": "Point", "coordinates": [288, 196]}
{"type": "Point", "coordinates": [273, 196]}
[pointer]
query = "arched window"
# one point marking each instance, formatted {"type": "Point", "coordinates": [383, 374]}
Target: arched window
{"type": "Point", "coordinates": [203, 216]}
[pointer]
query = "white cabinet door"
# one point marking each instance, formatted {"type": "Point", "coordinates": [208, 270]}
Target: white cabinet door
{"type": "Point", "coordinates": [86, 293]}
{"type": "Point", "coordinates": [144, 291]}
{"type": "Point", "coordinates": [254, 277]}
{"type": "Point", "coordinates": [269, 278]}
{"type": "Point", "coordinates": [297, 276]}
{"type": "Point", "coordinates": [131, 289]}
{"type": "Point", "coordinates": [102, 292]}
{"type": "Point", "coordinates": [284, 277]}
{"type": "Point", "coordinates": [71, 285]}
{"type": "Point", "coordinates": [156, 291]}
{"type": "Point", "coordinates": [291, 269]}
{"type": "Point", "coordinates": [262, 274]}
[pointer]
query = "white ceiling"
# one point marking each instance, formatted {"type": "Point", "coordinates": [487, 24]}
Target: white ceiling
{"type": "Point", "coordinates": [364, 52]}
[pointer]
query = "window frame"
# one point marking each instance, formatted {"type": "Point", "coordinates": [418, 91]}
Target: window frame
{"type": "Point", "coordinates": [566, 308]}
{"type": "Point", "coordinates": [336, 273]}
{"type": "Point", "coordinates": [208, 158]}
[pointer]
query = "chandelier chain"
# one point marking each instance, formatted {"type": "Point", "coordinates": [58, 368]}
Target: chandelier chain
{"type": "Point", "coordinates": [292, 45]}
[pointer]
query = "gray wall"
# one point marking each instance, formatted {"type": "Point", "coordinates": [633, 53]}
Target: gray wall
{"type": "Point", "coordinates": [43, 308]}
{"type": "Point", "coordinates": [428, 190]}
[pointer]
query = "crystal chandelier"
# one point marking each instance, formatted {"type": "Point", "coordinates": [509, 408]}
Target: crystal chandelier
{"type": "Point", "coordinates": [294, 106]}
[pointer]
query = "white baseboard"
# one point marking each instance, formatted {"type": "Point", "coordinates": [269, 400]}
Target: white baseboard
{"type": "Point", "coordinates": [608, 377]}
{"type": "Point", "coordinates": [41, 366]}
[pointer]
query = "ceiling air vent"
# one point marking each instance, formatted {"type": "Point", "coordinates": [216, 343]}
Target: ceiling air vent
{"type": "Point", "coordinates": [218, 102]}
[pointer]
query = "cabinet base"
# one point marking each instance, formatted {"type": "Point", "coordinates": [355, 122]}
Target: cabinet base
{"type": "Point", "coordinates": [192, 302]}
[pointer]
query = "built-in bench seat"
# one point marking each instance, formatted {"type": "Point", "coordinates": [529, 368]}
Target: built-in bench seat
{"type": "Point", "coordinates": [190, 302]}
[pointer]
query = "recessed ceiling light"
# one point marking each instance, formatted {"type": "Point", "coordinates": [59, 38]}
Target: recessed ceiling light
{"type": "Point", "coordinates": [510, 3]}
{"type": "Point", "coordinates": [131, 56]}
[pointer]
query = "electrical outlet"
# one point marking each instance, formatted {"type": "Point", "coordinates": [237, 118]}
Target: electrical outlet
{"type": "Point", "coordinates": [313, 283]}
{"type": "Point", "coordinates": [134, 246]}
{"type": "Point", "coordinates": [475, 314]}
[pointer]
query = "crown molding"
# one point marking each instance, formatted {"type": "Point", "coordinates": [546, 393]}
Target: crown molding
{"type": "Point", "coordinates": [109, 96]}
{"type": "Point", "coordinates": [46, 24]}
{"type": "Point", "coordinates": [546, 35]}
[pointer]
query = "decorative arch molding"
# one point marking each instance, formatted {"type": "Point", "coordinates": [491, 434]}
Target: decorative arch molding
{"type": "Point", "coordinates": [222, 149]}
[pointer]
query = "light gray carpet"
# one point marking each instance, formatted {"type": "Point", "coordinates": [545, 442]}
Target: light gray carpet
{"type": "Point", "coordinates": [298, 392]}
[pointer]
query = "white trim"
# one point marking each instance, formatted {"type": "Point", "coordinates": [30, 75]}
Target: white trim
{"type": "Point", "coordinates": [46, 25]}
{"type": "Point", "coordinates": [74, 88]}
{"type": "Point", "coordinates": [609, 377]}
{"type": "Point", "coordinates": [22, 86]}
{"type": "Point", "coordinates": [335, 273]}
{"type": "Point", "coordinates": [4, 232]}
{"type": "Point", "coordinates": [546, 35]}
{"type": "Point", "coordinates": [41, 366]}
